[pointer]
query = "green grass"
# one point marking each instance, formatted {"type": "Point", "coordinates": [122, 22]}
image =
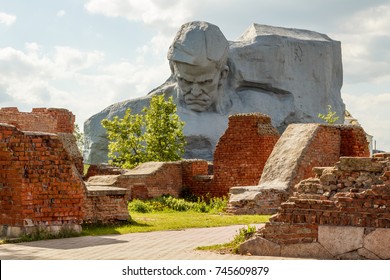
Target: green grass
{"type": "Point", "coordinates": [232, 247]}
{"type": "Point", "coordinates": [163, 213]}
{"type": "Point", "coordinates": [170, 213]}
{"type": "Point", "coordinates": [158, 221]}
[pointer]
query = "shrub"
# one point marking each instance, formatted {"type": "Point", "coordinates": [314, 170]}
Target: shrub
{"type": "Point", "coordinates": [331, 116]}
{"type": "Point", "coordinates": [139, 206]}
{"type": "Point", "coordinates": [242, 235]}
{"type": "Point", "coordinates": [170, 203]}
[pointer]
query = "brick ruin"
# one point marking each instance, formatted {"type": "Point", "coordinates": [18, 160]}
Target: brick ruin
{"type": "Point", "coordinates": [239, 159]}
{"type": "Point", "coordinates": [50, 120]}
{"type": "Point", "coordinates": [250, 152]}
{"type": "Point", "coordinates": [341, 213]}
{"type": "Point", "coordinates": [148, 180]}
{"type": "Point", "coordinates": [300, 148]}
{"type": "Point", "coordinates": [40, 181]}
{"type": "Point", "coordinates": [44, 167]}
{"type": "Point", "coordinates": [242, 151]}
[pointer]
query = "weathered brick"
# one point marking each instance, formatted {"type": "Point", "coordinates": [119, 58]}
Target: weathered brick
{"type": "Point", "coordinates": [38, 179]}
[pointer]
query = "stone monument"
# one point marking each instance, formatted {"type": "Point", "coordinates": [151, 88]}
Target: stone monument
{"type": "Point", "coordinates": [289, 74]}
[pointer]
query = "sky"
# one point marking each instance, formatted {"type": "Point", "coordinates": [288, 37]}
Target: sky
{"type": "Point", "coordinates": [84, 55]}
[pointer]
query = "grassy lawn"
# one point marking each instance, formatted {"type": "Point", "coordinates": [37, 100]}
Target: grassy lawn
{"type": "Point", "coordinates": [163, 213]}
{"type": "Point", "coordinates": [156, 221]}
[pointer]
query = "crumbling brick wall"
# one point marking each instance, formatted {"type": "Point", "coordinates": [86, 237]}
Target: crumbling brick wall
{"type": "Point", "coordinates": [38, 182]}
{"type": "Point", "coordinates": [350, 200]}
{"type": "Point", "coordinates": [153, 179]}
{"type": "Point", "coordinates": [196, 177]}
{"type": "Point", "coordinates": [322, 150]}
{"type": "Point", "coordinates": [353, 141]}
{"type": "Point", "coordinates": [301, 147]}
{"type": "Point", "coordinates": [148, 180]}
{"type": "Point", "coordinates": [105, 205]}
{"type": "Point", "coordinates": [242, 152]}
{"type": "Point", "coordinates": [350, 194]}
{"type": "Point", "coordinates": [51, 120]}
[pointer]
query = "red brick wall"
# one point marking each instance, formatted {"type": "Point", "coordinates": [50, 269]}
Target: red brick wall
{"type": "Point", "coordinates": [356, 192]}
{"type": "Point", "coordinates": [196, 178]}
{"type": "Point", "coordinates": [322, 150]}
{"type": "Point", "coordinates": [301, 148]}
{"type": "Point", "coordinates": [353, 142]}
{"type": "Point", "coordinates": [242, 151]}
{"type": "Point", "coordinates": [37, 180]}
{"type": "Point", "coordinates": [105, 208]}
{"type": "Point", "coordinates": [153, 179]}
{"type": "Point", "coordinates": [40, 186]}
{"type": "Point", "coordinates": [40, 119]}
{"type": "Point", "coordinates": [164, 178]}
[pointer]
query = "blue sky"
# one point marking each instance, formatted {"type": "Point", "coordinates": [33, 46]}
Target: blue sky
{"type": "Point", "coordinates": [84, 55]}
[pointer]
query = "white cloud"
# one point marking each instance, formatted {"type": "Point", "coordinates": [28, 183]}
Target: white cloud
{"type": "Point", "coordinates": [61, 13]}
{"type": "Point", "coordinates": [7, 19]}
{"type": "Point", "coordinates": [373, 21]}
{"type": "Point", "coordinates": [71, 59]}
{"type": "Point", "coordinates": [372, 112]}
{"type": "Point", "coordinates": [365, 41]}
{"type": "Point", "coordinates": [83, 82]}
{"type": "Point", "coordinates": [157, 46]}
{"type": "Point", "coordinates": [167, 12]}
{"type": "Point", "coordinates": [32, 47]}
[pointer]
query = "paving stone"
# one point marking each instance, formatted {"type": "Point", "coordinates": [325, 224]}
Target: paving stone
{"type": "Point", "coordinates": [161, 245]}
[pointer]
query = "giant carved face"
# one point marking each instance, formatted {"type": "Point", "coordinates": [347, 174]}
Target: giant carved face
{"type": "Point", "coordinates": [198, 85]}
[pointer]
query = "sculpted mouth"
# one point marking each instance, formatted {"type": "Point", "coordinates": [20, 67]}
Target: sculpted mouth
{"type": "Point", "coordinates": [196, 102]}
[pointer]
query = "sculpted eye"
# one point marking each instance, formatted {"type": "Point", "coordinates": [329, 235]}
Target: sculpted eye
{"type": "Point", "coordinates": [182, 80]}
{"type": "Point", "coordinates": [207, 82]}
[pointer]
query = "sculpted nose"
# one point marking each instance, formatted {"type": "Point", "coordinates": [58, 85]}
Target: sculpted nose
{"type": "Point", "coordinates": [195, 90]}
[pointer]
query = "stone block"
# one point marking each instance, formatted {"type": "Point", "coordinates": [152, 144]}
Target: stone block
{"type": "Point", "coordinates": [360, 164]}
{"type": "Point", "coordinates": [305, 250]}
{"type": "Point", "coordinates": [366, 254]}
{"type": "Point", "coordinates": [260, 247]}
{"type": "Point", "coordinates": [340, 240]}
{"type": "Point", "coordinates": [354, 255]}
{"type": "Point", "coordinates": [378, 242]}
{"type": "Point", "coordinates": [14, 231]}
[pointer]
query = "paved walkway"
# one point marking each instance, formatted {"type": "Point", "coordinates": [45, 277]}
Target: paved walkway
{"type": "Point", "coordinates": [161, 245]}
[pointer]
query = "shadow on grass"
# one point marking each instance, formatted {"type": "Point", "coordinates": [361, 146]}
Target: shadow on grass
{"type": "Point", "coordinates": [111, 228]}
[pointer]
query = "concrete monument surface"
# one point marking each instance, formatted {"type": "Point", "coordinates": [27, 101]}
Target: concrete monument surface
{"type": "Point", "coordinates": [288, 74]}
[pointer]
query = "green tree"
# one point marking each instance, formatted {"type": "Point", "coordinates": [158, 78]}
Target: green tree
{"type": "Point", "coordinates": [79, 137]}
{"type": "Point", "coordinates": [126, 146]}
{"type": "Point", "coordinates": [155, 136]}
{"type": "Point", "coordinates": [331, 116]}
{"type": "Point", "coordinates": [164, 136]}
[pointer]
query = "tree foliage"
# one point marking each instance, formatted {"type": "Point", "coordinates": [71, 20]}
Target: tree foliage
{"type": "Point", "coordinates": [156, 135]}
{"type": "Point", "coordinates": [79, 137]}
{"type": "Point", "coordinates": [331, 116]}
{"type": "Point", "coordinates": [126, 146]}
{"type": "Point", "coordinates": [163, 136]}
